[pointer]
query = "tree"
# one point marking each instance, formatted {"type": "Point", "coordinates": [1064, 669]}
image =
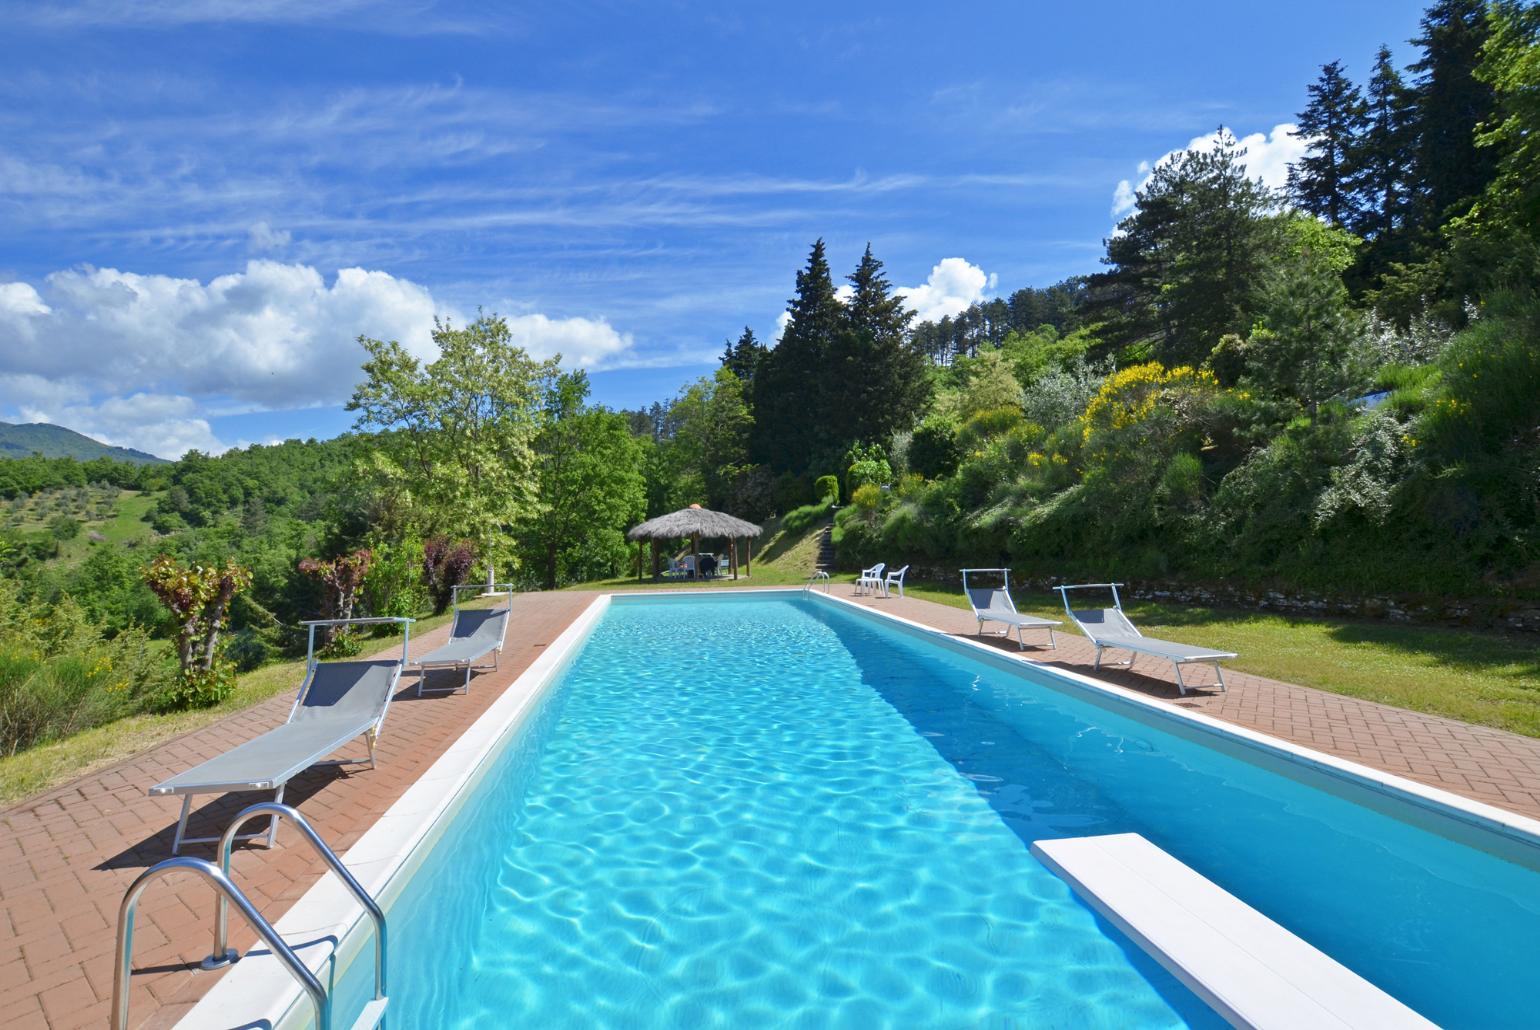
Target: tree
{"type": "Point", "coordinates": [708, 444]}
{"type": "Point", "coordinates": [1498, 243]}
{"type": "Point", "coordinates": [457, 434]}
{"type": "Point", "coordinates": [1451, 103]}
{"type": "Point", "coordinates": [876, 383]}
{"type": "Point", "coordinates": [1333, 124]}
{"type": "Point", "coordinates": [591, 487]}
{"type": "Point", "coordinates": [742, 358]}
{"type": "Point", "coordinates": [445, 564]}
{"type": "Point", "coordinates": [1309, 341]}
{"type": "Point", "coordinates": [198, 598]}
{"type": "Point", "coordinates": [1187, 265]}
{"type": "Point", "coordinates": [1385, 163]}
{"type": "Point", "coordinates": [788, 395]}
{"type": "Point", "coordinates": [341, 578]}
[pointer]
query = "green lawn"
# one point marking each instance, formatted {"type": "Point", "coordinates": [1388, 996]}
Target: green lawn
{"type": "Point", "coordinates": [36, 770]}
{"type": "Point", "coordinates": [1488, 678]}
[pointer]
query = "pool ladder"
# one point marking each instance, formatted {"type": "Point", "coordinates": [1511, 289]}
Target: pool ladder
{"type": "Point", "coordinates": [218, 876]}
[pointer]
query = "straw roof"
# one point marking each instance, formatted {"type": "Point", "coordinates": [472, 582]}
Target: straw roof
{"type": "Point", "coordinates": [693, 521]}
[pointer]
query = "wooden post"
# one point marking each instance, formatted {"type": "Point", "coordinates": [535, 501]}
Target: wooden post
{"type": "Point", "coordinates": [655, 570]}
{"type": "Point", "coordinates": [695, 553]}
{"type": "Point", "coordinates": [732, 555]}
{"type": "Point", "coordinates": [640, 547]}
{"type": "Point", "coordinates": [748, 565]}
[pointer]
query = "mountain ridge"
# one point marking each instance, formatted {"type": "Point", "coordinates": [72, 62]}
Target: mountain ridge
{"type": "Point", "coordinates": [22, 440]}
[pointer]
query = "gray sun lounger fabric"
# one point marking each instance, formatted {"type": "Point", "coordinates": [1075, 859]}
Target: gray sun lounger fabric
{"type": "Point", "coordinates": [1109, 629]}
{"type": "Point", "coordinates": [340, 701]}
{"type": "Point", "coordinates": [994, 604]}
{"type": "Point", "coordinates": [476, 632]}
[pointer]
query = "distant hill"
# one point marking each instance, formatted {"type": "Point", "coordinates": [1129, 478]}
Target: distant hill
{"type": "Point", "coordinates": [57, 442]}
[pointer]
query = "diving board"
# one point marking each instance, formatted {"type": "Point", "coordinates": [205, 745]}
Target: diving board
{"type": "Point", "coordinates": [1252, 971]}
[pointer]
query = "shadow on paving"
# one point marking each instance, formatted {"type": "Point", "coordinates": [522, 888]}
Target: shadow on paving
{"type": "Point", "coordinates": [213, 818]}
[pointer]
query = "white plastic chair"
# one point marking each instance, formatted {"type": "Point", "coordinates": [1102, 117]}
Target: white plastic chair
{"type": "Point", "coordinates": [894, 579]}
{"type": "Point", "coordinates": [870, 579]}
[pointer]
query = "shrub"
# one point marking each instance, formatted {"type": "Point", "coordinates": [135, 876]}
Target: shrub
{"type": "Point", "coordinates": [800, 520]}
{"type": "Point", "coordinates": [248, 651]}
{"type": "Point", "coordinates": [445, 563]}
{"type": "Point", "coordinates": [867, 497]}
{"type": "Point", "coordinates": [393, 585]}
{"type": "Point", "coordinates": [59, 675]}
{"type": "Point", "coordinates": [790, 491]}
{"type": "Point", "coordinates": [933, 450]}
{"type": "Point", "coordinates": [987, 424]}
{"type": "Point", "coordinates": [827, 488]}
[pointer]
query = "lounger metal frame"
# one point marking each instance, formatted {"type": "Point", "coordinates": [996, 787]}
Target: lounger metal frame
{"type": "Point", "coordinates": [498, 589]}
{"type": "Point", "coordinates": [983, 614]}
{"type": "Point", "coordinates": [371, 737]}
{"type": "Point", "coordinates": [1211, 658]}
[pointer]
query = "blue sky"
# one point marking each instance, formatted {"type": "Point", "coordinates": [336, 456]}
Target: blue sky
{"type": "Point", "coordinates": [203, 204]}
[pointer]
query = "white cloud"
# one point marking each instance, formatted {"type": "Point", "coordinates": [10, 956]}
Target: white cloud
{"type": "Point", "coordinates": [1267, 157]}
{"type": "Point", "coordinates": [843, 292]}
{"type": "Point", "coordinates": [781, 322]}
{"type": "Point", "coordinates": [262, 238]}
{"type": "Point", "coordinates": [584, 342]}
{"type": "Point", "coordinates": [145, 360]}
{"type": "Point", "coordinates": [952, 286]}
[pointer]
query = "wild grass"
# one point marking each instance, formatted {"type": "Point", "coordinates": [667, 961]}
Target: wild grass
{"type": "Point", "coordinates": [36, 770]}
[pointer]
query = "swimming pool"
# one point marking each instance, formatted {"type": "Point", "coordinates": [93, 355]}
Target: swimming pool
{"type": "Point", "coordinates": [738, 810]}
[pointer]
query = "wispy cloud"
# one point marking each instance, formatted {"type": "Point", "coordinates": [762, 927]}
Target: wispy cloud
{"type": "Point", "coordinates": [361, 15]}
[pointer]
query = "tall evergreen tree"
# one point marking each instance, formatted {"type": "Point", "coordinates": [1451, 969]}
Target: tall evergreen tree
{"type": "Point", "coordinates": [876, 383]}
{"type": "Point", "coordinates": [1451, 103]}
{"type": "Point", "coordinates": [1385, 161]}
{"type": "Point", "coordinates": [1334, 123]}
{"type": "Point", "coordinates": [744, 356]}
{"type": "Point", "coordinates": [1187, 265]}
{"type": "Point", "coordinates": [789, 387]}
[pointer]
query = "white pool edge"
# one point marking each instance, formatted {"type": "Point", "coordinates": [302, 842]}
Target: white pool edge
{"type": "Point", "coordinates": [265, 995]}
{"type": "Point", "coordinates": [1467, 810]}
{"type": "Point", "coordinates": [259, 989]}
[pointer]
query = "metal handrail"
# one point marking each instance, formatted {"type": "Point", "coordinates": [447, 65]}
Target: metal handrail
{"type": "Point", "coordinates": [224, 953]}
{"type": "Point", "coordinates": [226, 890]}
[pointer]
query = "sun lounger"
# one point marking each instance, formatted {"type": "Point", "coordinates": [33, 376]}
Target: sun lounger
{"type": "Point", "coordinates": [337, 702]}
{"type": "Point", "coordinates": [474, 634]}
{"type": "Point", "coordinates": [1109, 629]}
{"type": "Point", "coordinates": [994, 604]}
{"type": "Point", "coordinates": [870, 579]}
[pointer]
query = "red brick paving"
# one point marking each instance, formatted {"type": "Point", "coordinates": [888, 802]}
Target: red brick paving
{"type": "Point", "coordinates": [67, 855]}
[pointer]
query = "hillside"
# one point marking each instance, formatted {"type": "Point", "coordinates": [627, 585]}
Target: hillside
{"type": "Point", "coordinates": [20, 441]}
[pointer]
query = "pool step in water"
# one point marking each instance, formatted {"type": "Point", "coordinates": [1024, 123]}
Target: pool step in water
{"type": "Point", "coordinates": [1252, 971]}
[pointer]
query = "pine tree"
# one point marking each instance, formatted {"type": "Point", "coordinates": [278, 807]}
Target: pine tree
{"type": "Point", "coordinates": [1187, 265]}
{"type": "Point", "coordinates": [1451, 103]}
{"type": "Point", "coordinates": [1334, 122]}
{"type": "Point", "coordinates": [789, 389]}
{"type": "Point", "coordinates": [1385, 185]}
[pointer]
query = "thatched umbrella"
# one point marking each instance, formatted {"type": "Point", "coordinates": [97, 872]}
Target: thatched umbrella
{"type": "Point", "coordinates": [696, 522]}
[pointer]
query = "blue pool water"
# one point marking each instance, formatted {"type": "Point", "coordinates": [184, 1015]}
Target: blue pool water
{"type": "Point", "coordinates": [739, 812]}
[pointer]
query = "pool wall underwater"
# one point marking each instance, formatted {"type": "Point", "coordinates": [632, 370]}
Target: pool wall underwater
{"type": "Point", "coordinates": [259, 993]}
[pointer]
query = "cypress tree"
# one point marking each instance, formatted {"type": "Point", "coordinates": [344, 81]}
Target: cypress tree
{"type": "Point", "coordinates": [789, 389]}
{"type": "Point", "coordinates": [743, 357]}
{"type": "Point", "coordinates": [1334, 122]}
{"type": "Point", "coordinates": [876, 382]}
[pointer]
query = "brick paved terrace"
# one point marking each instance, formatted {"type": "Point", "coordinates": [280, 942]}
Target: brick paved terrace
{"type": "Point", "coordinates": [66, 856]}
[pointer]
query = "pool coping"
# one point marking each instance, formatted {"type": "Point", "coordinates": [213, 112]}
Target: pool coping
{"type": "Point", "coordinates": [326, 927]}
{"type": "Point", "coordinates": [331, 925]}
{"type": "Point", "coordinates": [1475, 813]}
